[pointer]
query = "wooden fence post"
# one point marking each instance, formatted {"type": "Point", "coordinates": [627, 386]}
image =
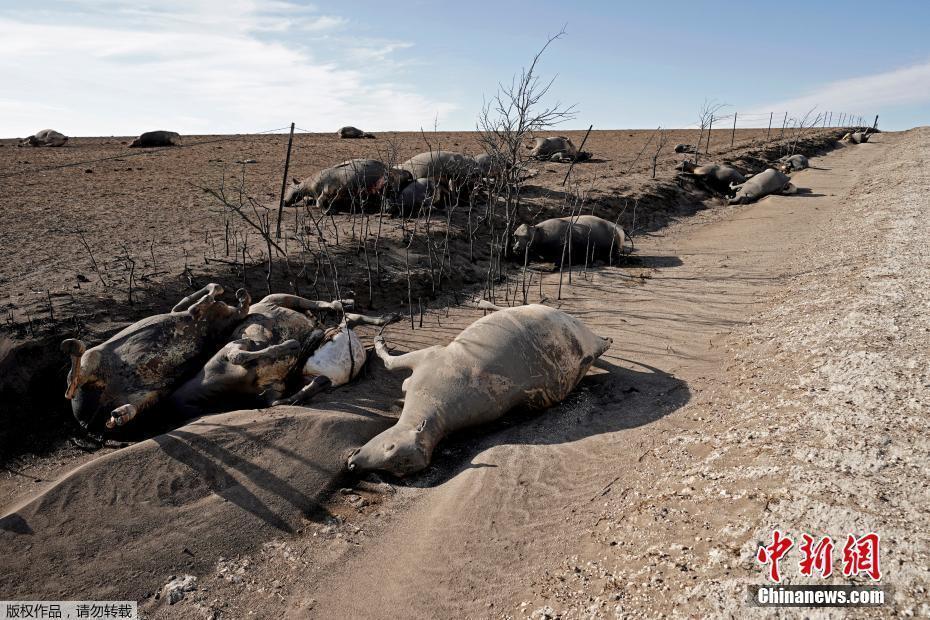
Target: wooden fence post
{"type": "Point", "coordinates": [709, 127]}
{"type": "Point", "coordinates": [733, 135]}
{"type": "Point", "coordinates": [784, 124]}
{"type": "Point", "coordinates": [287, 164]}
{"type": "Point", "coordinates": [875, 124]}
{"type": "Point", "coordinates": [769, 130]}
{"type": "Point", "coordinates": [572, 165]}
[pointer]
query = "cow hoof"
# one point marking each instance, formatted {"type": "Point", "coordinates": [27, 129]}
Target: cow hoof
{"type": "Point", "coordinates": [121, 416]}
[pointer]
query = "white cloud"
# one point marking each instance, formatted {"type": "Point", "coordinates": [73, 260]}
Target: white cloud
{"type": "Point", "coordinates": [121, 67]}
{"type": "Point", "coordinates": [867, 95]}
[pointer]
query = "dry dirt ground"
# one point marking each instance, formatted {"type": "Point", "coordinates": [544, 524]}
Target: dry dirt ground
{"type": "Point", "coordinates": [768, 371]}
{"type": "Point", "coordinates": [147, 203]}
{"type": "Point", "coordinates": [89, 227]}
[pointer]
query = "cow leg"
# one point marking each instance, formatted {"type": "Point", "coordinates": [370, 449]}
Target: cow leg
{"type": "Point", "coordinates": [333, 200]}
{"type": "Point", "coordinates": [408, 360]}
{"type": "Point", "coordinates": [314, 387]}
{"type": "Point", "coordinates": [272, 353]}
{"type": "Point", "coordinates": [199, 308]}
{"type": "Point", "coordinates": [214, 290]}
{"type": "Point", "coordinates": [484, 304]}
{"type": "Point", "coordinates": [122, 416]}
{"type": "Point", "coordinates": [353, 320]}
{"type": "Point", "coordinates": [293, 302]}
{"type": "Point", "coordinates": [241, 309]}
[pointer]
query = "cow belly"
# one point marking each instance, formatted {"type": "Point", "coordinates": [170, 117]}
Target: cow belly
{"type": "Point", "coordinates": [333, 361]}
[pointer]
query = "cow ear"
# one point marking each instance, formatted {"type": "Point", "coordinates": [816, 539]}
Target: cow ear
{"type": "Point", "coordinates": [295, 181]}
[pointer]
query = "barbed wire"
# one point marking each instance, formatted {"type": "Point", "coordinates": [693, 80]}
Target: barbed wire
{"type": "Point", "coordinates": [743, 121]}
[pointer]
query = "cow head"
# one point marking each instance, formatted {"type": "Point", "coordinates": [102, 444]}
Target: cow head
{"type": "Point", "coordinates": [86, 389]}
{"type": "Point", "coordinates": [296, 192]}
{"type": "Point", "coordinates": [523, 238]}
{"type": "Point", "coordinates": [397, 180]}
{"type": "Point", "coordinates": [399, 451]}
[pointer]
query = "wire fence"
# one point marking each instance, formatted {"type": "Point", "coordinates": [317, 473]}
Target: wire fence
{"type": "Point", "coordinates": [777, 124]}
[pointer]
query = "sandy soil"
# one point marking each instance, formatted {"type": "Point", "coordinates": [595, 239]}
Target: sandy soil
{"type": "Point", "coordinates": [767, 371]}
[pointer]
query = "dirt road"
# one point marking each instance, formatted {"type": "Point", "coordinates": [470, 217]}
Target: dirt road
{"type": "Point", "coordinates": [771, 372]}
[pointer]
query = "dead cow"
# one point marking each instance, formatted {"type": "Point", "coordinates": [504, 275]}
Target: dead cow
{"type": "Point", "coordinates": [45, 137]}
{"type": "Point", "coordinates": [591, 238]}
{"type": "Point", "coordinates": [350, 132]}
{"type": "Point", "coordinates": [280, 334]}
{"type": "Point", "coordinates": [143, 364]}
{"type": "Point", "coordinates": [530, 356]}
{"type": "Point", "coordinates": [717, 178]}
{"type": "Point", "coordinates": [488, 166]}
{"type": "Point", "coordinates": [793, 163]}
{"type": "Point", "coordinates": [857, 137]}
{"type": "Point", "coordinates": [346, 186]}
{"type": "Point", "coordinates": [417, 195]}
{"type": "Point", "coordinates": [453, 171]}
{"type": "Point", "coordinates": [560, 149]}
{"type": "Point", "coordinates": [151, 139]}
{"type": "Point", "coordinates": [685, 148]}
{"type": "Point", "coordinates": [770, 181]}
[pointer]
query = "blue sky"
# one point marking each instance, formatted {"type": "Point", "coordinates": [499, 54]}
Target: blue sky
{"type": "Point", "coordinates": [119, 67]}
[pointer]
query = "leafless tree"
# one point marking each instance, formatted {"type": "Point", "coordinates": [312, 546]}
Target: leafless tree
{"type": "Point", "coordinates": [508, 118]}
{"type": "Point", "coordinates": [806, 123]}
{"type": "Point", "coordinates": [255, 216]}
{"type": "Point", "coordinates": [93, 261]}
{"type": "Point", "coordinates": [709, 111]}
{"type": "Point", "coordinates": [129, 265]}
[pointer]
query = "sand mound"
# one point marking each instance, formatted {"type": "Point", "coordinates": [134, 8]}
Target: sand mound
{"type": "Point", "coordinates": [120, 525]}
